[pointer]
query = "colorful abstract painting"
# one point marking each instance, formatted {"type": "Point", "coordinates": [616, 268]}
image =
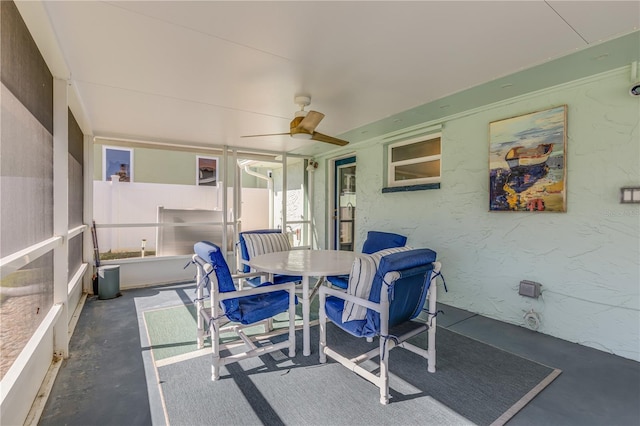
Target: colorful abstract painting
{"type": "Point", "coordinates": [527, 162]}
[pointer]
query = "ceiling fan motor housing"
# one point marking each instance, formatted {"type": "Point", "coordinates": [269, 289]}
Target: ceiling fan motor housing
{"type": "Point", "coordinates": [299, 132]}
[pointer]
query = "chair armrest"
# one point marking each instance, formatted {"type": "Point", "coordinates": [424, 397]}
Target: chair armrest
{"type": "Point", "coordinates": [208, 269]}
{"type": "Point", "coordinates": [300, 248]}
{"type": "Point", "coordinates": [290, 287]}
{"type": "Point", "coordinates": [248, 275]}
{"type": "Point", "coordinates": [340, 294]}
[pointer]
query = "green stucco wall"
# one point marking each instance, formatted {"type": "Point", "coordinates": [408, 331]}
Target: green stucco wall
{"type": "Point", "coordinates": [156, 166]}
{"type": "Point", "coordinates": [163, 166]}
{"type": "Point", "coordinates": [587, 259]}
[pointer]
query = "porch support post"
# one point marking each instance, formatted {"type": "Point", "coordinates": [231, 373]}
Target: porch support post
{"type": "Point", "coordinates": [61, 214]}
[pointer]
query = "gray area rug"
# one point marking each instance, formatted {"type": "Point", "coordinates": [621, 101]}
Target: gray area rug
{"type": "Point", "coordinates": [474, 384]}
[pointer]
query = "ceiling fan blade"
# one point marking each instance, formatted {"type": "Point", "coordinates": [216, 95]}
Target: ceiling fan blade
{"type": "Point", "coordinates": [311, 121]}
{"type": "Point", "coordinates": [329, 139]}
{"type": "Point", "coordinates": [268, 134]}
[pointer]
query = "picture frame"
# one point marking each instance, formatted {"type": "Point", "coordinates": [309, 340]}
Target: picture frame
{"type": "Point", "coordinates": [117, 161]}
{"type": "Point", "coordinates": [527, 162]}
{"type": "Point", "coordinates": [206, 171]}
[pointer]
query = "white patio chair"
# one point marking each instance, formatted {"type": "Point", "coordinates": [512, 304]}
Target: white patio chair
{"type": "Point", "coordinates": [241, 307]}
{"type": "Point", "coordinates": [387, 290]}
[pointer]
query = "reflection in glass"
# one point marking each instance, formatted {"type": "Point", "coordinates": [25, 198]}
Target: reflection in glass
{"type": "Point", "coordinates": [295, 234]}
{"type": "Point", "coordinates": [347, 206]}
{"type": "Point", "coordinates": [207, 171]}
{"type": "Point", "coordinates": [416, 150]}
{"type": "Point", "coordinates": [423, 170]}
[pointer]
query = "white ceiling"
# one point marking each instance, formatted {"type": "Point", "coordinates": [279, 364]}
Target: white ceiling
{"type": "Point", "coordinates": [208, 72]}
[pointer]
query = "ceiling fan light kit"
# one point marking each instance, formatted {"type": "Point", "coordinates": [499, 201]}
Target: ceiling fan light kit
{"type": "Point", "coordinates": [304, 124]}
{"type": "Point", "coordinates": [300, 135]}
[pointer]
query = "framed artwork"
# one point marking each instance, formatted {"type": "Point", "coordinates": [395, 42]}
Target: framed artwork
{"type": "Point", "coordinates": [206, 171]}
{"type": "Point", "coordinates": [527, 162]}
{"type": "Point", "coordinates": [117, 162]}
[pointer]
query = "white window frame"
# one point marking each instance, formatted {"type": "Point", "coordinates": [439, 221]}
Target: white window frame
{"type": "Point", "coordinates": [217, 160]}
{"type": "Point", "coordinates": [391, 165]}
{"type": "Point", "coordinates": [104, 161]}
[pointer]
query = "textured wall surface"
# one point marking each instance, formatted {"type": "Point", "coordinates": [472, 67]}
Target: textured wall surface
{"type": "Point", "coordinates": [295, 193]}
{"type": "Point", "coordinates": [586, 259]}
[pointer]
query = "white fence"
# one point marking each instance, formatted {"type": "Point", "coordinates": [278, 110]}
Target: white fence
{"type": "Point", "coordinates": [131, 203]}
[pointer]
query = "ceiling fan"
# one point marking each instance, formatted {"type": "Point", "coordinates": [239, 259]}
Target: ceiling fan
{"type": "Point", "coordinates": [304, 124]}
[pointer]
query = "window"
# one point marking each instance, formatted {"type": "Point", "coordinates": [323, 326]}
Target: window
{"type": "Point", "coordinates": [117, 162]}
{"type": "Point", "coordinates": [414, 162]}
{"type": "Point", "coordinates": [206, 171]}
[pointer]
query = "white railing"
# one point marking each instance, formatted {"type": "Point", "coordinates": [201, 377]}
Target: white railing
{"type": "Point", "coordinates": [13, 262]}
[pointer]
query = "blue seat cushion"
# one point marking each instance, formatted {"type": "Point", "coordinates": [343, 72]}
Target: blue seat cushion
{"type": "Point", "coordinates": [259, 307]}
{"type": "Point", "coordinates": [340, 281]}
{"type": "Point", "coordinates": [246, 309]}
{"type": "Point", "coordinates": [333, 307]}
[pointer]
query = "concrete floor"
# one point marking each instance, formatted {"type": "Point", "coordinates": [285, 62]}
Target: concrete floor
{"type": "Point", "coordinates": [107, 379]}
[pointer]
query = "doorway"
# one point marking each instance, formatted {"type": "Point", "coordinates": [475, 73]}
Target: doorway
{"type": "Point", "coordinates": [344, 202]}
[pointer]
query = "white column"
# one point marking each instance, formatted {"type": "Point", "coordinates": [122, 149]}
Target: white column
{"type": "Point", "coordinates": [87, 209]}
{"type": "Point", "coordinates": [113, 234]}
{"type": "Point", "coordinates": [310, 204]}
{"type": "Point", "coordinates": [61, 214]}
{"type": "Point", "coordinates": [271, 190]}
{"type": "Point", "coordinates": [284, 192]}
{"type": "Point", "coordinates": [237, 210]}
{"type": "Point", "coordinates": [225, 207]}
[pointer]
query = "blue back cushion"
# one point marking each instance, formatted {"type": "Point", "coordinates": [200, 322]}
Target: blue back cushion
{"type": "Point", "coordinates": [243, 245]}
{"type": "Point", "coordinates": [212, 254]}
{"type": "Point", "coordinates": [409, 291]}
{"type": "Point", "coordinates": [377, 241]}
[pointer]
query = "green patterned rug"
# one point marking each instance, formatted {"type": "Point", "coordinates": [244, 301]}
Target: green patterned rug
{"type": "Point", "coordinates": [172, 331]}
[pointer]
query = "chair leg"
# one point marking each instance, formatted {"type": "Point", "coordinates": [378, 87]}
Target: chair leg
{"type": "Point", "coordinates": [292, 322]}
{"type": "Point", "coordinates": [200, 336]}
{"type": "Point", "coordinates": [431, 341]}
{"type": "Point", "coordinates": [384, 372]}
{"type": "Point", "coordinates": [215, 349]}
{"type": "Point", "coordinates": [322, 320]}
{"type": "Point", "coordinates": [431, 350]}
{"type": "Point", "coordinates": [200, 333]}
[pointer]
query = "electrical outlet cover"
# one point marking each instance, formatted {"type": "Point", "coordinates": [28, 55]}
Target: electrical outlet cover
{"type": "Point", "coordinates": [529, 289]}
